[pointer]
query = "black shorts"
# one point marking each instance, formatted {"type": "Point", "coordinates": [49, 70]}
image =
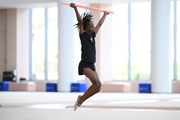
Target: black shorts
{"type": "Point", "coordinates": [83, 65]}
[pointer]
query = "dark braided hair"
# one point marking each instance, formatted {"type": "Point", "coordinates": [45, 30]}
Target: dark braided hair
{"type": "Point", "coordinates": [86, 17]}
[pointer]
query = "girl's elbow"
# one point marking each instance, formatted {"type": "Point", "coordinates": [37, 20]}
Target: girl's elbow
{"type": "Point", "coordinates": [80, 21]}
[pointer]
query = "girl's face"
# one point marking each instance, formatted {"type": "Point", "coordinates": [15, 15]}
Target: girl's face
{"type": "Point", "coordinates": [90, 27]}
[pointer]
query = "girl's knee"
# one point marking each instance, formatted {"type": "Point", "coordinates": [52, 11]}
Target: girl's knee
{"type": "Point", "coordinates": [98, 86]}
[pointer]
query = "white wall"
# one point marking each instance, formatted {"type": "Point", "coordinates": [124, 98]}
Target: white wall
{"type": "Point", "coordinates": [3, 35]}
{"type": "Point", "coordinates": [22, 43]}
{"type": "Point", "coordinates": [11, 39]}
{"type": "Point", "coordinates": [14, 41]}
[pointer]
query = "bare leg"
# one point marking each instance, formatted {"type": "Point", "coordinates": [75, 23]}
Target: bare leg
{"type": "Point", "coordinates": [94, 88]}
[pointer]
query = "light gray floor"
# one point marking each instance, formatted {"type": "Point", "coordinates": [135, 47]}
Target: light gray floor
{"type": "Point", "coordinates": [102, 106]}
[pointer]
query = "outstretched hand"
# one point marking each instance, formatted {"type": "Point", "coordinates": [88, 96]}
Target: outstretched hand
{"type": "Point", "coordinates": [106, 13]}
{"type": "Point", "coordinates": [72, 5]}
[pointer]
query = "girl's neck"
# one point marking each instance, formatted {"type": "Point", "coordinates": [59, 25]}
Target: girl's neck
{"type": "Point", "coordinates": [88, 33]}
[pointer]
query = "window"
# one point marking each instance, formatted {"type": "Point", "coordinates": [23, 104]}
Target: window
{"type": "Point", "coordinates": [178, 40]}
{"type": "Point", "coordinates": [44, 39]}
{"type": "Point", "coordinates": [120, 42]}
{"type": "Point", "coordinates": [38, 43]}
{"type": "Point", "coordinates": [173, 41]}
{"type": "Point", "coordinates": [52, 43]}
{"type": "Point", "coordinates": [140, 41]}
{"type": "Point", "coordinates": [131, 41]}
{"type": "Point", "coordinates": [44, 44]}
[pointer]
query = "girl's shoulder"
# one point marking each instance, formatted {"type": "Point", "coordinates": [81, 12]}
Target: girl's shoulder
{"type": "Point", "coordinates": [93, 34]}
{"type": "Point", "coordinates": [86, 35]}
{"type": "Point", "coordinates": [83, 35]}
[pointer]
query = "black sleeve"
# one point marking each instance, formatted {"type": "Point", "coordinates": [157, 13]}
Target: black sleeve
{"type": "Point", "coordinates": [81, 36]}
{"type": "Point", "coordinates": [94, 34]}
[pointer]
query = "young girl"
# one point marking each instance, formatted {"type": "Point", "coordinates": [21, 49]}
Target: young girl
{"type": "Point", "coordinates": [87, 33]}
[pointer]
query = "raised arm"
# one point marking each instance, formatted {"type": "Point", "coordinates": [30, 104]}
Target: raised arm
{"type": "Point", "coordinates": [101, 21]}
{"type": "Point", "coordinates": [79, 19]}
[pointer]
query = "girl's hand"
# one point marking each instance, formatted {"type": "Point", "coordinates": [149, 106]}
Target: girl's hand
{"type": "Point", "coordinates": [106, 13]}
{"type": "Point", "coordinates": [72, 5]}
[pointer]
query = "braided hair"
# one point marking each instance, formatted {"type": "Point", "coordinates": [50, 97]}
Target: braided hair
{"type": "Point", "coordinates": [86, 17]}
